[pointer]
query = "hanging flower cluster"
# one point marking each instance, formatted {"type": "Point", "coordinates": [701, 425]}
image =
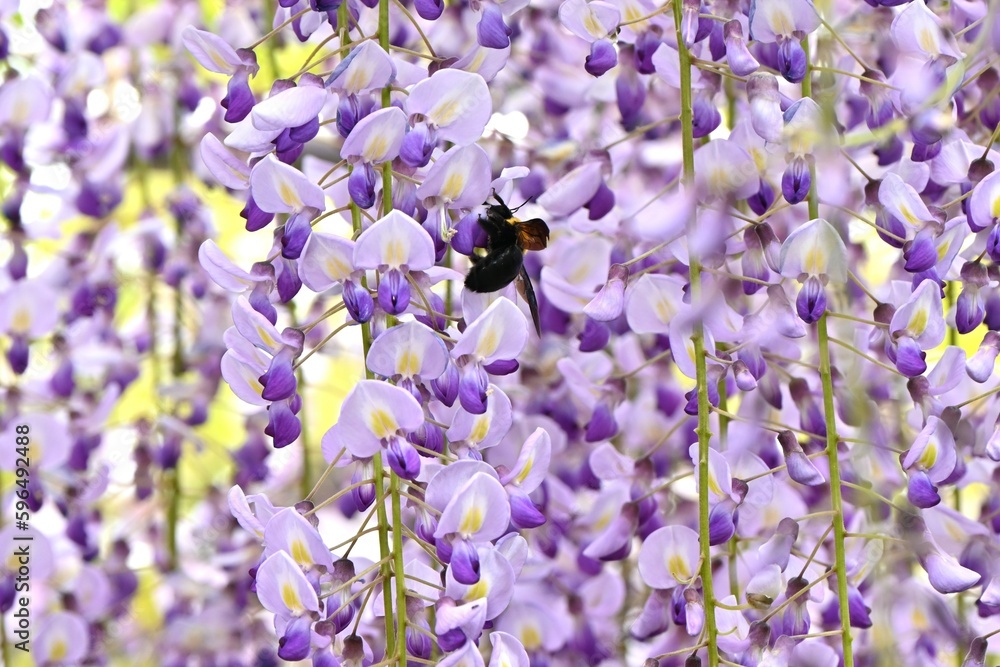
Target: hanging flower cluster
{"type": "Point", "coordinates": [629, 332]}
{"type": "Point", "coordinates": [755, 426]}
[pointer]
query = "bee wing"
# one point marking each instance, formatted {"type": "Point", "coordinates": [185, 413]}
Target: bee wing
{"type": "Point", "coordinates": [528, 292]}
{"type": "Point", "coordinates": [532, 234]}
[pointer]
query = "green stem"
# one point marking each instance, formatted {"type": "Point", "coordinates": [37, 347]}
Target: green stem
{"type": "Point", "coordinates": [836, 498]}
{"type": "Point", "coordinates": [830, 415]}
{"type": "Point", "coordinates": [701, 370]}
{"type": "Point", "coordinates": [399, 641]}
{"type": "Point", "coordinates": [397, 552]}
{"type": "Point", "coordinates": [366, 343]}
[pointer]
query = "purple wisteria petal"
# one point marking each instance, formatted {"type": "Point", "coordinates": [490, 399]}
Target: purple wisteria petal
{"type": "Point", "coordinates": [229, 170]}
{"type": "Point", "coordinates": [290, 532]}
{"type": "Point", "coordinates": [738, 56]}
{"type": "Point", "coordinates": [62, 638]}
{"type": "Point", "coordinates": [669, 557]}
{"type": "Point", "coordinates": [591, 21]}
{"type": "Point", "coordinates": [499, 333]}
{"type": "Point", "coordinates": [771, 20]}
{"type": "Point", "coordinates": [921, 317]}
{"type": "Point", "coordinates": [571, 192]}
{"type": "Point", "coordinates": [507, 651]}
{"type": "Point", "coordinates": [495, 585]}
{"type": "Point", "coordinates": [946, 574]}
{"type": "Point", "coordinates": [459, 179]}
{"type": "Point", "coordinates": [933, 451]}
{"type": "Point", "coordinates": [652, 303]}
{"type": "Point", "coordinates": [532, 463]}
{"type": "Point", "coordinates": [377, 138]}
{"type": "Point", "coordinates": [916, 29]}
{"type": "Point", "coordinates": [724, 169]}
{"type": "Point", "coordinates": [289, 108]}
{"type": "Point", "coordinates": [365, 68]}
{"type": "Point", "coordinates": [280, 188]}
{"type": "Point", "coordinates": [397, 241]}
{"type": "Point", "coordinates": [26, 309]}
{"type": "Point", "coordinates": [984, 205]}
{"type": "Point", "coordinates": [211, 51]}
{"type": "Point", "coordinates": [478, 510]}
{"type": "Point", "coordinates": [454, 102]}
{"type": "Point", "coordinates": [486, 429]}
{"type": "Point", "coordinates": [371, 413]}
{"type": "Point", "coordinates": [283, 588]}
{"type": "Point", "coordinates": [325, 260]}
{"type": "Point", "coordinates": [491, 30]}
{"type": "Point", "coordinates": [902, 201]}
{"type": "Point", "coordinates": [410, 350]}
{"type": "Point", "coordinates": [814, 249]}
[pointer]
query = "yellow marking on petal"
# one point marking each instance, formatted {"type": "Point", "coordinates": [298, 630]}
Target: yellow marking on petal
{"type": "Point", "coordinates": [956, 531]}
{"type": "Point", "coordinates": [358, 77]}
{"type": "Point", "coordinates": [919, 619]}
{"type": "Point", "coordinates": [21, 322]}
{"type": "Point", "coordinates": [59, 651]}
{"type": "Point", "coordinates": [394, 252]}
{"type": "Point", "coordinates": [910, 216]}
{"type": "Point", "coordinates": [602, 521]}
{"type": "Point", "coordinates": [376, 148]}
{"type": "Point", "coordinates": [678, 568]}
{"type": "Point", "coordinates": [632, 14]}
{"type": "Point", "coordinates": [718, 180]}
{"type": "Point", "coordinates": [487, 343]}
{"type": "Point", "coordinates": [300, 553]}
{"type": "Point", "coordinates": [523, 475]}
{"type": "Point", "coordinates": [381, 423]}
{"type": "Point", "coordinates": [531, 638]}
{"type": "Point", "coordinates": [453, 186]}
{"type": "Point", "coordinates": [408, 363]}
{"type": "Point", "coordinates": [918, 322]}
{"type": "Point", "coordinates": [578, 274]}
{"type": "Point", "coordinates": [477, 61]}
{"type": "Point", "coordinates": [481, 428]}
{"type": "Point", "coordinates": [336, 267]}
{"type": "Point", "coordinates": [266, 337]}
{"type": "Point", "coordinates": [22, 112]}
{"type": "Point", "coordinates": [663, 310]}
{"type": "Point", "coordinates": [288, 194]}
{"type": "Point", "coordinates": [446, 111]}
{"type": "Point", "coordinates": [995, 208]}
{"type": "Point", "coordinates": [815, 261]}
{"type": "Point", "coordinates": [479, 590]}
{"type": "Point", "coordinates": [928, 41]}
{"type": "Point", "coordinates": [781, 22]}
{"type": "Point", "coordinates": [592, 25]}
{"type": "Point", "coordinates": [929, 456]}
{"type": "Point", "coordinates": [219, 61]}
{"type": "Point", "coordinates": [713, 484]}
{"type": "Point", "coordinates": [472, 520]}
{"type": "Point", "coordinates": [290, 597]}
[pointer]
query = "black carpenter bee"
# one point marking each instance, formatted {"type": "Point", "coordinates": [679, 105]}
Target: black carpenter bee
{"type": "Point", "coordinates": [509, 239]}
